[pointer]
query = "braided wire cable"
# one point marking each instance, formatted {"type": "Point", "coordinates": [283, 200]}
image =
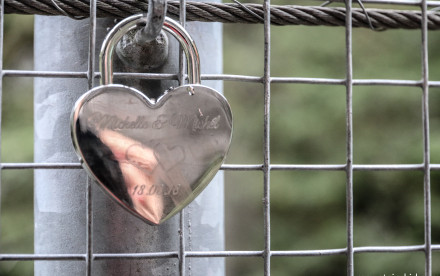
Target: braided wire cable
{"type": "Point", "coordinates": [234, 13]}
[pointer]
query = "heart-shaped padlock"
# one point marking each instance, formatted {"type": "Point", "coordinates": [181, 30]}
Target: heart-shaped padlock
{"type": "Point", "coordinates": [153, 157]}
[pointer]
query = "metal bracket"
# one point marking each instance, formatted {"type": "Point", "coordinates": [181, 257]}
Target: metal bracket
{"type": "Point", "coordinates": [154, 20]}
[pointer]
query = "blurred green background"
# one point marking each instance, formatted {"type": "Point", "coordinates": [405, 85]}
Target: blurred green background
{"type": "Point", "coordinates": [307, 127]}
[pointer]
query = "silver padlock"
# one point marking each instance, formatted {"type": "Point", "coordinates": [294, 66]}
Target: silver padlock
{"type": "Point", "coordinates": [152, 156]}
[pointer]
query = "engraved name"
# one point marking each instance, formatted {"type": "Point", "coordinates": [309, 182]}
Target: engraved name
{"type": "Point", "coordinates": [176, 120]}
{"type": "Point", "coordinates": [184, 121]}
{"type": "Point", "coordinates": [113, 122]}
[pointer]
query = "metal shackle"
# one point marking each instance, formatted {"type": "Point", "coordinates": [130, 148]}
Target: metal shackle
{"type": "Point", "coordinates": [171, 26]}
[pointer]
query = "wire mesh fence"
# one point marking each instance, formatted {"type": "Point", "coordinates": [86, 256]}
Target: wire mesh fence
{"type": "Point", "coordinates": [334, 164]}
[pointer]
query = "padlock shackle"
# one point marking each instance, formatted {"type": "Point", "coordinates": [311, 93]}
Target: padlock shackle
{"type": "Point", "coordinates": [171, 26]}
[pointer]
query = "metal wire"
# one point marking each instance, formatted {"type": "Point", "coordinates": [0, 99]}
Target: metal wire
{"type": "Point", "coordinates": [266, 139]}
{"type": "Point", "coordinates": [183, 254]}
{"type": "Point", "coordinates": [181, 77]}
{"type": "Point", "coordinates": [90, 83]}
{"type": "Point", "coordinates": [426, 144]}
{"type": "Point", "coordinates": [223, 77]}
{"type": "Point", "coordinates": [349, 138]}
{"type": "Point", "coordinates": [2, 27]}
{"type": "Point", "coordinates": [248, 167]}
{"type": "Point", "coordinates": [395, 2]}
{"type": "Point", "coordinates": [218, 254]}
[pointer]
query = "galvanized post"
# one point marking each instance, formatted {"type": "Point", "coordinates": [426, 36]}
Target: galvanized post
{"type": "Point", "coordinates": [61, 44]}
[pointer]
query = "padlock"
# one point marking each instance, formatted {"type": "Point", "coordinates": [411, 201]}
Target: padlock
{"type": "Point", "coordinates": [152, 156]}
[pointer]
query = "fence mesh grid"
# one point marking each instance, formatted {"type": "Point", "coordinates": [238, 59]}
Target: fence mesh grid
{"type": "Point", "coordinates": [267, 167]}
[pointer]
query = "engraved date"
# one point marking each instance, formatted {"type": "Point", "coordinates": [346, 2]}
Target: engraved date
{"type": "Point", "coordinates": [156, 189]}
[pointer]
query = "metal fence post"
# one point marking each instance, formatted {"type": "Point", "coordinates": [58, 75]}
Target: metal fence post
{"type": "Point", "coordinates": [61, 44]}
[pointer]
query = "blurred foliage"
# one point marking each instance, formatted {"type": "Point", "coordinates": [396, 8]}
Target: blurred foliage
{"type": "Point", "coordinates": [307, 127]}
{"type": "Point", "coordinates": [17, 146]}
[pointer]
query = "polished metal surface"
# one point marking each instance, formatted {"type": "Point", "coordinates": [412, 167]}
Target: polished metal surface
{"type": "Point", "coordinates": [153, 158]}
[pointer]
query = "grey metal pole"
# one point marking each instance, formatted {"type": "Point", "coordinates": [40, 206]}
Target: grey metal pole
{"type": "Point", "coordinates": [61, 44]}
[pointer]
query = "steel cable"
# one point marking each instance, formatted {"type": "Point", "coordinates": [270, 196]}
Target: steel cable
{"type": "Point", "coordinates": [234, 13]}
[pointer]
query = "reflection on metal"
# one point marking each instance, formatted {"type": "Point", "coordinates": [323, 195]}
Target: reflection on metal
{"type": "Point", "coordinates": [153, 158]}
